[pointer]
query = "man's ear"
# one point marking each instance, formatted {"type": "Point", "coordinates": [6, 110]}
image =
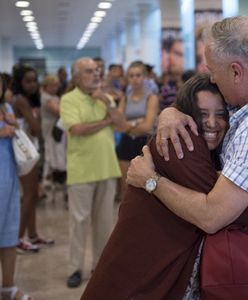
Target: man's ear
{"type": "Point", "coordinates": [237, 71]}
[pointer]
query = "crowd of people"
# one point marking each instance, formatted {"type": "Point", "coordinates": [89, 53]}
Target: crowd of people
{"type": "Point", "coordinates": [91, 130]}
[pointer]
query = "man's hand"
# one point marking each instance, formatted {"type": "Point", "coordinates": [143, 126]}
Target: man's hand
{"type": "Point", "coordinates": [140, 169]}
{"type": "Point", "coordinates": [171, 125]}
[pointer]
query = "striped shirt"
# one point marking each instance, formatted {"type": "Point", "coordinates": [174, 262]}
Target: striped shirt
{"type": "Point", "coordinates": [235, 149]}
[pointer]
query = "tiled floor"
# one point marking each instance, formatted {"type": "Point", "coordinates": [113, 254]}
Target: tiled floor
{"type": "Point", "coordinates": [44, 275]}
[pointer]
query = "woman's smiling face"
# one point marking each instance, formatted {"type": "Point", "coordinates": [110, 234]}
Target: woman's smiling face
{"type": "Point", "coordinates": [214, 122]}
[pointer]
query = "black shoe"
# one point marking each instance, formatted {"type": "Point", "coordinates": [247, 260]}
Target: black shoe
{"type": "Point", "coordinates": [74, 280]}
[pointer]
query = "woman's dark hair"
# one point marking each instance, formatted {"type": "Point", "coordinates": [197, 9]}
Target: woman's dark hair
{"type": "Point", "coordinates": [186, 102]}
{"type": "Point", "coordinates": [187, 97]}
{"type": "Point", "coordinates": [4, 87]}
{"type": "Point", "coordinates": [19, 72]}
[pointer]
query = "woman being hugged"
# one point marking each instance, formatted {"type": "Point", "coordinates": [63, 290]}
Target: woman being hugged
{"type": "Point", "coordinates": [152, 253]}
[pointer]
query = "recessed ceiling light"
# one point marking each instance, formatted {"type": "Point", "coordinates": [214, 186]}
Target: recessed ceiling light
{"type": "Point", "coordinates": [26, 12]}
{"type": "Point", "coordinates": [22, 4]}
{"type": "Point", "coordinates": [92, 25]}
{"type": "Point", "coordinates": [31, 24]}
{"type": "Point", "coordinates": [32, 29]}
{"type": "Point", "coordinates": [28, 18]}
{"type": "Point", "coordinates": [99, 13]}
{"type": "Point", "coordinates": [104, 5]}
{"type": "Point", "coordinates": [96, 19]}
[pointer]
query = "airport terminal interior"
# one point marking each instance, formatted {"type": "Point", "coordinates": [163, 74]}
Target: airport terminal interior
{"type": "Point", "coordinates": [160, 40]}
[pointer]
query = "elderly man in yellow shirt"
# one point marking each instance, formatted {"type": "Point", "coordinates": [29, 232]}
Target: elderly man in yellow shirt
{"type": "Point", "coordinates": [92, 165]}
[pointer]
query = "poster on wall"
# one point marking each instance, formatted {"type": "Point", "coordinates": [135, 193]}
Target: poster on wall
{"type": "Point", "coordinates": [203, 19]}
{"type": "Point", "coordinates": [172, 54]}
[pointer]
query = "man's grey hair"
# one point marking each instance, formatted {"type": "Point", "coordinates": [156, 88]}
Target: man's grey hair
{"type": "Point", "coordinates": [76, 67]}
{"type": "Point", "coordinates": [229, 37]}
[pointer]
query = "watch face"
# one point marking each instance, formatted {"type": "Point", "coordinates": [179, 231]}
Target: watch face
{"type": "Point", "coordinates": [151, 185]}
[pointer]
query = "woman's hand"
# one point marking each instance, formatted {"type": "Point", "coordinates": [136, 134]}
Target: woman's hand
{"type": "Point", "coordinates": [140, 169]}
{"type": "Point", "coordinates": [171, 125]}
{"type": "Point", "coordinates": [7, 131]}
{"type": "Point", "coordinates": [10, 118]}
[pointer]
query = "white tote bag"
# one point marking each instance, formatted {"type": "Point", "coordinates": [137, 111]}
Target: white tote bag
{"type": "Point", "coordinates": [25, 152]}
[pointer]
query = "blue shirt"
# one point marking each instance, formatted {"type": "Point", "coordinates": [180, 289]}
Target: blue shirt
{"type": "Point", "coordinates": [235, 149]}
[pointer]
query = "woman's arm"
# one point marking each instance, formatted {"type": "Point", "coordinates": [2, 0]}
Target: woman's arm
{"type": "Point", "coordinates": [23, 109]}
{"type": "Point", "coordinates": [143, 127]}
{"type": "Point", "coordinates": [53, 106]}
{"type": "Point", "coordinates": [7, 131]}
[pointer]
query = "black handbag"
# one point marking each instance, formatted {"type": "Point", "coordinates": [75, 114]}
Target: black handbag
{"type": "Point", "coordinates": [57, 132]}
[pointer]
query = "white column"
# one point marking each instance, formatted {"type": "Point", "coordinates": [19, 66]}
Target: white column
{"type": "Point", "coordinates": [188, 33]}
{"type": "Point", "coordinates": [109, 50]}
{"type": "Point", "coordinates": [230, 8]}
{"type": "Point", "coordinates": [121, 46]}
{"type": "Point", "coordinates": [6, 55]}
{"type": "Point", "coordinates": [133, 41]}
{"type": "Point", "coordinates": [150, 33]}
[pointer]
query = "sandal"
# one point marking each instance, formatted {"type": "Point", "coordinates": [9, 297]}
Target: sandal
{"type": "Point", "coordinates": [11, 293]}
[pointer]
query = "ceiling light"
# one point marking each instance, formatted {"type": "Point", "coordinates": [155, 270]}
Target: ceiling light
{"type": "Point", "coordinates": [32, 29]}
{"type": "Point", "coordinates": [28, 18]}
{"type": "Point", "coordinates": [22, 4]}
{"type": "Point", "coordinates": [26, 12]}
{"type": "Point", "coordinates": [96, 19]}
{"type": "Point", "coordinates": [35, 35]}
{"type": "Point", "coordinates": [99, 13]}
{"type": "Point", "coordinates": [92, 25]}
{"type": "Point", "coordinates": [31, 24]}
{"type": "Point", "coordinates": [104, 5]}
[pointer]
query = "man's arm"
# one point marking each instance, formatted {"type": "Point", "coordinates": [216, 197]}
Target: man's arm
{"type": "Point", "coordinates": [211, 212]}
{"type": "Point", "coordinates": [171, 125]}
{"type": "Point", "coordinates": [89, 128]}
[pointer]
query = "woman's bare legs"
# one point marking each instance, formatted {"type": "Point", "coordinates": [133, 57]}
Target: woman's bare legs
{"type": "Point", "coordinates": [8, 261]}
{"type": "Point", "coordinates": [30, 184]}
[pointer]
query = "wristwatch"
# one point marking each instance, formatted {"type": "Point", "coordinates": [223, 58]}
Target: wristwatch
{"type": "Point", "coordinates": [112, 104]}
{"type": "Point", "coordinates": [151, 183]}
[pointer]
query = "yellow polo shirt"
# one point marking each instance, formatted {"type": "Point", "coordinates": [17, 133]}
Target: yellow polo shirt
{"type": "Point", "coordinates": [92, 157]}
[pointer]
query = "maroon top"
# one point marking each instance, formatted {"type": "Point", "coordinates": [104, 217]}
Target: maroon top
{"type": "Point", "coordinates": [151, 252]}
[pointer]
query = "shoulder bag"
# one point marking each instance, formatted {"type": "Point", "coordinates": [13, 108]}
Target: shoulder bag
{"type": "Point", "coordinates": [26, 155]}
{"type": "Point", "coordinates": [224, 265]}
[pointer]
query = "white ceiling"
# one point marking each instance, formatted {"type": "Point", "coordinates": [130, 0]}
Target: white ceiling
{"type": "Point", "coordinates": [62, 22]}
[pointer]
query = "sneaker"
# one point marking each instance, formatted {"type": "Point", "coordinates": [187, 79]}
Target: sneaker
{"type": "Point", "coordinates": [25, 247]}
{"type": "Point", "coordinates": [41, 241]}
{"type": "Point", "coordinates": [75, 279]}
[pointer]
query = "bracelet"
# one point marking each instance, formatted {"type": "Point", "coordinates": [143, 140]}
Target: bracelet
{"type": "Point", "coordinates": [133, 124]}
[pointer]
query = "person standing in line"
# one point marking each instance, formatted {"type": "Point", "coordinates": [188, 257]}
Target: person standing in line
{"type": "Point", "coordinates": [92, 165]}
{"type": "Point", "coordinates": [26, 106]}
{"type": "Point", "coordinates": [140, 108]}
{"type": "Point", "coordinates": [9, 204]}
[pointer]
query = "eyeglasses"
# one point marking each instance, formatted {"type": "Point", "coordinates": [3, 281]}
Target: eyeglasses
{"type": "Point", "coordinates": [92, 71]}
